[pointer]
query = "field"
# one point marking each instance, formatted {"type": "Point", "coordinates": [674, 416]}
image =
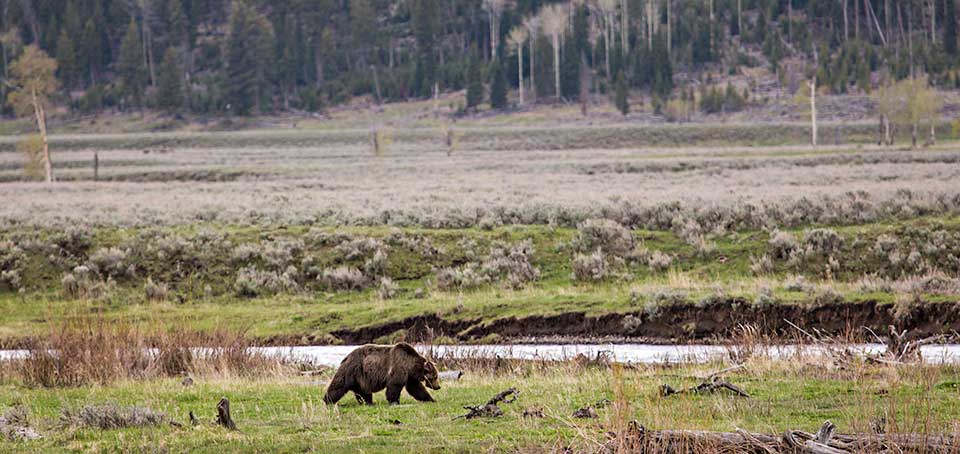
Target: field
{"type": "Point", "coordinates": [515, 232]}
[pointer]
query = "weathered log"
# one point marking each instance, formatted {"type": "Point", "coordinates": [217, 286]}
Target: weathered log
{"type": "Point", "coordinates": [223, 414]}
{"type": "Point", "coordinates": [825, 441]}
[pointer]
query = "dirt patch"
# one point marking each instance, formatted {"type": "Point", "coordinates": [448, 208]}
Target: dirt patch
{"type": "Point", "coordinates": [682, 323]}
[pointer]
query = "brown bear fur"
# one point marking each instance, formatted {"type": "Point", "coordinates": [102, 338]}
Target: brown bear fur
{"type": "Point", "coordinates": [372, 368]}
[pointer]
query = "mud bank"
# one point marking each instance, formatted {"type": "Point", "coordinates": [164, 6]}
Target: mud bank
{"type": "Point", "coordinates": [681, 323]}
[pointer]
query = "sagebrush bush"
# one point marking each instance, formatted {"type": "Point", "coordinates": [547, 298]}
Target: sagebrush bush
{"type": "Point", "coordinates": [659, 261]}
{"type": "Point", "coordinates": [155, 292]}
{"type": "Point", "coordinates": [761, 265]}
{"type": "Point", "coordinates": [604, 234]}
{"type": "Point", "coordinates": [376, 265]}
{"type": "Point", "coordinates": [387, 289]}
{"type": "Point", "coordinates": [782, 244]}
{"type": "Point", "coordinates": [344, 278]}
{"type": "Point", "coordinates": [592, 267]}
{"type": "Point", "coordinates": [110, 263]}
{"type": "Point", "coordinates": [358, 248]}
{"type": "Point", "coordinates": [822, 241]}
{"type": "Point", "coordinates": [83, 283]}
{"type": "Point", "coordinates": [254, 282]}
{"type": "Point", "coordinates": [465, 277]}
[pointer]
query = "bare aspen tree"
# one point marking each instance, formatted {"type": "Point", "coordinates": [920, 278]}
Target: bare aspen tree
{"type": "Point", "coordinates": [669, 27]}
{"type": "Point", "coordinates": [494, 8]}
{"type": "Point", "coordinates": [533, 30]}
{"type": "Point", "coordinates": [846, 21]}
{"type": "Point", "coordinates": [554, 21]}
{"type": "Point", "coordinates": [608, 10]}
{"type": "Point", "coordinates": [518, 37]}
{"type": "Point", "coordinates": [933, 22]}
{"type": "Point", "coordinates": [740, 17]}
{"type": "Point", "coordinates": [813, 110]}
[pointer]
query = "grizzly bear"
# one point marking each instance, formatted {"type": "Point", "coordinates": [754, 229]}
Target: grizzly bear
{"type": "Point", "coordinates": [371, 368]}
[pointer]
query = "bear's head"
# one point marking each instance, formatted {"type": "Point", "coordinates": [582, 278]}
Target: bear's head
{"type": "Point", "coordinates": [431, 377]}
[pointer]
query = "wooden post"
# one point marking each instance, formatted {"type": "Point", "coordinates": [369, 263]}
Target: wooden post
{"type": "Point", "coordinates": [96, 166]}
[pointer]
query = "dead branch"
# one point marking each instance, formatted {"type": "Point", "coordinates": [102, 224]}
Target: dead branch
{"type": "Point", "coordinates": [491, 409]}
{"type": "Point", "coordinates": [714, 382]}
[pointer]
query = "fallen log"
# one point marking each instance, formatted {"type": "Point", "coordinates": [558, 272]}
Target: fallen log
{"type": "Point", "coordinates": [490, 409]}
{"type": "Point", "coordinates": [825, 441]}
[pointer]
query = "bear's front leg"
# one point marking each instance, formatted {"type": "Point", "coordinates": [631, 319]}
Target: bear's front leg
{"type": "Point", "coordinates": [416, 389]}
{"type": "Point", "coordinates": [393, 393]}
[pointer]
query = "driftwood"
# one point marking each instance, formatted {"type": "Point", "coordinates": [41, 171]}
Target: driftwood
{"type": "Point", "coordinates": [900, 349]}
{"type": "Point", "coordinates": [223, 414]}
{"type": "Point", "coordinates": [711, 384]}
{"type": "Point", "coordinates": [491, 409]}
{"type": "Point", "coordinates": [824, 441]}
{"type": "Point", "coordinates": [590, 412]}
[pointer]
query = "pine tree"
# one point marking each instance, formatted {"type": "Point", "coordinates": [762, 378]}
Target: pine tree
{"type": "Point", "coordinates": [249, 52]}
{"type": "Point", "coordinates": [474, 84]}
{"type": "Point", "coordinates": [170, 83]}
{"type": "Point", "coordinates": [621, 94]}
{"type": "Point", "coordinates": [425, 25]}
{"type": "Point", "coordinates": [950, 28]}
{"type": "Point", "coordinates": [133, 76]}
{"type": "Point", "coordinates": [178, 26]}
{"type": "Point", "coordinates": [498, 85]}
{"type": "Point", "coordinates": [67, 60]}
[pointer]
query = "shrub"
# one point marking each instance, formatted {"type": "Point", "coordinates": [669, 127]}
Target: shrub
{"type": "Point", "coordinates": [761, 265]}
{"type": "Point", "coordinates": [344, 278]}
{"type": "Point", "coordinates": [512, 261]}
{"type": "Point", "coordinates": [376, 265]}
{"type": "Point", "coordinates": [796, 283]}
{"type": "Point", "coordinates": [110, 263]}
{"type": "Point", "coordinates": [604, 234]}
{"type": "Point", "coordinates": [782, 244]}
{"type": "Point", "coordinates": [387, 288]}
{"type": "Point", "coordinates": [460, 278]}
{"type": "Point", "coordinates": [659, 261]}
{"type": "Point", "coordinates": [109, 417]}
{"type": "Point", "coordinates": [822, 241]}
{"type": "Point", "coordinates": [667, 297]}
{"type": "Point", "coordinates": [358, 248]}
{"type": "Point", "coordinates": [74, 241]}
{"type": "Point", "coordinates": [83, 283]}
{"type": "Point", "coordinates": [253, 282]}
{"type": "Point", "coordinates": [591, 267]}
{"type": "Point", "coordinates": [155, 292]}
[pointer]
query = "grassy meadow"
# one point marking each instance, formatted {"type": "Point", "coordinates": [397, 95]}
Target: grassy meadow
{"type": "Point", "coordinates": [521, 230]}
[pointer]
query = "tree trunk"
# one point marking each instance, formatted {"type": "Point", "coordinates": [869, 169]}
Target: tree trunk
{"type": "Point", "coordinates": [886, 131]}
{"type": "Point", "coordinates": [813, 111]}
{"type": "Point", "coordinates": [533, 79]}
{"type": "Point", "coordinates": [318, 62]}
{"type": "Point", "coordinates": [584, 83]}
{"type": "Point", "coordinates": [606, 45]}
{"type": "Point", "coordinates": [933, 22]}
{"type": "Point", "coordinates": [846, 22]}
{"type": "Point", "coordinates": [913, 135]}
{"type": "Point", "coordinates": [520, 70]}
{"type": "Point", "coordinates": [670, 29]}
{"type": "Point", "coordinates": [933, 133]}
{"type": "Point", "coordinates": [556, 64]}
{"type": "Point", "coordinates": [41, 115]}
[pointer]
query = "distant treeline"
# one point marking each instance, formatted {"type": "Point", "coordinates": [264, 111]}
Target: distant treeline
{"type": "Point", "coordinates": [257, 56]}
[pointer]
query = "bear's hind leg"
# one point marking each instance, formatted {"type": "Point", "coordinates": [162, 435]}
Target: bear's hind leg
{"type": "Point", "coordinates": [416, 389]}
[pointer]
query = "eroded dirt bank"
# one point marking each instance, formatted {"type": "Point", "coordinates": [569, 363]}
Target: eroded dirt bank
{"type": "Point", "coordinates": [683, 323]}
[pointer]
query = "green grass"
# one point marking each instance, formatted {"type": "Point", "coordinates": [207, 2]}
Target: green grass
{"type": "Point", "coordinates": [288, 415]}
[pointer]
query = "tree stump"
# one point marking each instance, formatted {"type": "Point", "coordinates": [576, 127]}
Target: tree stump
{"type": "Point", "coordinates": [223, 415]}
